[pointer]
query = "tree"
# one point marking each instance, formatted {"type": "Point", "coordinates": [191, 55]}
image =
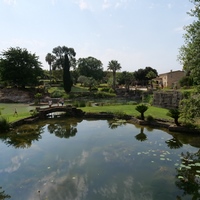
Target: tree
{"type": "Point", "coordinates": [114, 66]}
{"type": "Point", "coordinates": [141, 108]}
{"type": "Point", "coordinates": [142, 76]}
{"type": "Point", "coordinates": [126, 78]}
{"type": "Point", "coordinates": [19, 67]}
{"type": "Point", "coordinates": [190, 51]}
{"type": "Point", "coordinates": [82, 79]}
{"type": "Point", "coordinates": [189, 106]}
{"type": "Point", "coordinates": [63, 57]}
{"type": "Point", "coordinates": [151, 75]}
{"type": "Point", "coordinates": [175, 114]}
{"type": "Point", "coordinates": [90, 67]}
{"type": "Point", "coordinates": [190, 59]}
{"type": "Point", "coordinates": [50, 59]}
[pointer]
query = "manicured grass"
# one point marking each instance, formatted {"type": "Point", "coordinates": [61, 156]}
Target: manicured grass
{"type": "Point", "coordinates": [155, 112]}
{"type": "Point", "coordinates": [7, 111]}
{"type": "Point", "coordinates": [76, 88]}
{"type": "Point", "coordinates": [24, 111]}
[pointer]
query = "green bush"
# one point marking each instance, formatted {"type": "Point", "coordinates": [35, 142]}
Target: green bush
{"type": "Point", "coordinates": [132, 103]}
{"type": "Point", "coordinates": [141, 108]}
{"type": "Point", "coordinates": [120, 114]}
{"type": "Point", "coordinates": [103, 95]}
{"type": "Point", "coordinates": [104, 89]}
{"type": "Point", "coordinates": [150, 118]}
{"type": "Point", "coordinates": [57, 94]}
{"type": "Point", "coordinates": [111, 90]}
{"type": "Point", "coordinates": [89, 103]}
{"type": "Point", "coordinates": [79, 103]}
{"type": "Point", "coordinates": [4, 124]}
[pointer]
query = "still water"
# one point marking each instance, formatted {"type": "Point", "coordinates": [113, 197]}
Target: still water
{"type": "Point", "coordinates": [60, 159]}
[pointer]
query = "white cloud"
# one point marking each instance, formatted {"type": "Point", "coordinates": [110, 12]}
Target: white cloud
{"type": "Point", "coordinates": [106, 4]}
{"type": "Point", "coordinates": [169, 5]}
{"type": "Point", "coordinates": [83, 5]}
{"type": "Point", "coordinates": [10, 2]}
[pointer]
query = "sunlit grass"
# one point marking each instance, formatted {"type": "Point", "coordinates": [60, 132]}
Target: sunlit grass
{"type": "Point", "coordinates": [155, 112]}
{"type": "Point", "coordinates": [23, 111]}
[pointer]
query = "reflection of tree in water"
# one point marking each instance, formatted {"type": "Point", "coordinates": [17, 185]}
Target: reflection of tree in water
{"type": "Point", "coordinates": [63, 130]}
{"type": "Point", "coordinates": [141, 136]}
{"type": "Point", "coordinates": [188, 175]}
{"type": "Point", "coordinates": [23, 136]}
{"type": "Point", "coordinates": [174, 143]}
{"type": "Point", "coordinates": [114, 124]}
{"type": "Point", "coordinates": [3, 195]}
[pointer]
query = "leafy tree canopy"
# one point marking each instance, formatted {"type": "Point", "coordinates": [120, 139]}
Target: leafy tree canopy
{"type": "Point", "coordinates": [64, 57]}
{"type": "Point", "coordinates": [19, 67]}
{"type": "Point", "coordinates": [90, 67]}
{"type": "Point", "coordinates": [190, 51]}
{"type": "Point", "coordinates": [142, 76]}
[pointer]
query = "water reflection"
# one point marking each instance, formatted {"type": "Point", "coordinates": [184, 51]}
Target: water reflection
{"type": "Point", "coordinates": [62, 131]}
{"type": "Point", "coordinates": [3, 195]}
{"type": "Point", "coordinates": [96, 160]}
{"type": "Point", "coordinates": [141, 136]}
{"type": "Point", "coordinates": [23, 137]}
{"type": "Point", "coordinates": [113, 124]}
{"type": "Point", "coordinates": [174, 143]}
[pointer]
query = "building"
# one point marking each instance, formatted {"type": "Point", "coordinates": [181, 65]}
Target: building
{"type": "Point", "coordinates": [170, 79]}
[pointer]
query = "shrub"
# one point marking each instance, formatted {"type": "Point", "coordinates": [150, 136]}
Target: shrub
{"type": "Point", "coordinates": [131, 103]}
{"type": "Point", "coordinates": [105, 89]}
{"type": "Point", "coordinates": [57, 94]}
{"type": "Point", "coordinates": [33, 112]}
{"type": "Point", "coordinates": [4, 124]}
{"type": "Point", "coordinates": [79, 104]}
{"type": "Point", "coordinates": [120, 114]}
{"type": "Point", "coordinates": [89, 103]}
{"type": "Point", "coordinates": [103, 95]}
{"type": "Point", "coordinates": [150, 118]}
{"type": "Point", "coordinates": [175, 114]}
{"type": "Point", "coordinates": [141, 108]}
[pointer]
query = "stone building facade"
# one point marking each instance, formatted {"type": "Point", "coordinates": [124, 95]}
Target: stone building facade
{"type": "Point", "coordinates": [170, 79]}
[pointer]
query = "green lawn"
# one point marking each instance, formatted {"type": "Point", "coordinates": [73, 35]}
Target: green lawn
{"type": "Point", "coordinates": [24, 110]}
{"type": "Point", "coordinates": [130, 110]}
{"type": "Point", "coordinates": [8, 109]}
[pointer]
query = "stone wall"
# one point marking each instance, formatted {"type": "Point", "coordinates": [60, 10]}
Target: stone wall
{"type": "Point", "coordinates": [167, 99]}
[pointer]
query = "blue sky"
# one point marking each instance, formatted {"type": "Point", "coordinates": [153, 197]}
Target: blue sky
{"type": "Point", "coordinates": [136, 33]}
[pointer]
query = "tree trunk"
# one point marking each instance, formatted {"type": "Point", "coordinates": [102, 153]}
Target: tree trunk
{"type": "Point", "coordinates": [142, 116]}
{"type": "Point", "coordinates": [176, 122]}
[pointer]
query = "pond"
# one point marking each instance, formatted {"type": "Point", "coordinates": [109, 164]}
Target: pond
{"type": "Point", "coordinates": [98, 159]}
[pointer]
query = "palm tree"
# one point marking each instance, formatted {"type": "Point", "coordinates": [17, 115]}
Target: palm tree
{"type": "Point", "coordinates": [141, 108]}
{"type": "Point", "coordinates": [114, 66]}
{"type": "Point", "coordinates": [50, 59]}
